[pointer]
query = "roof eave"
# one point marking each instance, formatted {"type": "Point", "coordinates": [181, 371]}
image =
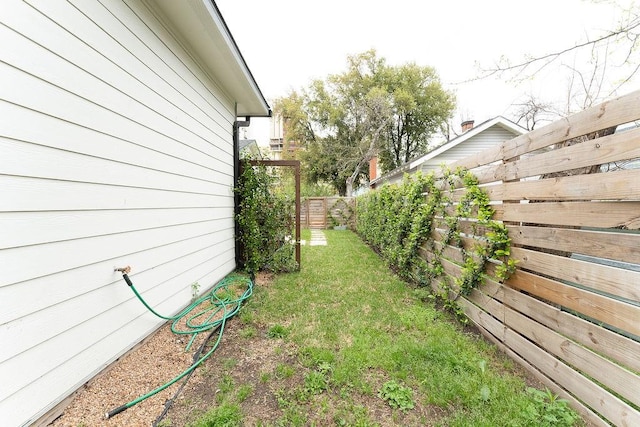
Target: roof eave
{"type": "Point", "coordinates": [200, 24]}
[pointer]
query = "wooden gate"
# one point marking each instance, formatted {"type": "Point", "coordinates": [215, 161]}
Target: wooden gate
{"type": "Point", "coordinates": [317, 212]}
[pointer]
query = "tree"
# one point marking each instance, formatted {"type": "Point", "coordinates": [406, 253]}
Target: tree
{"type": "Point", "coordinates": [371, 108]}
{"type": "Point", "coordinates": [531, 111]}
{"type": "Point", "coordinates": [297, 126]}
{"type": "Point", "coordinates": [420, 109]}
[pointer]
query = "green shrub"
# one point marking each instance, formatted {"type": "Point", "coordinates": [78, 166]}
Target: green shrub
{"type": "Point", "coordinates": [265, 220]}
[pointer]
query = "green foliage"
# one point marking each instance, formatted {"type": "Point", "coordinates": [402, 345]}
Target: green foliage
{"type": "Point", "coordinates": [313, 356]}
{"type": "Point", "coordinates": [266, 222]}
{"type": "Point", "coordinates": [347, 315]}
{"type": "Point", "coordinates": [399, 220]}
{"type": "Point", "coordinates": [195, 291]}
{"type": "Point", "coordinates": [341, 213]}
{"type": "Point", "coordinates": [225, 415]}
{"type": "Point", "coordinates": [398, 396]}
{"type": "Point", "coordinates": [316, 189]}
{"type": "Point", "coordinates": [370, 107]}
{"type": "Point", "coordinates": [284, 371]}
{"type": "Point", "coordinates": [547, 410]}
{"type": "Point", "coordinates": [243, 392]}
{"type": "Point", "coordinates": [315, 382]}
{"type": "Point", "coordinates": [277, 331]}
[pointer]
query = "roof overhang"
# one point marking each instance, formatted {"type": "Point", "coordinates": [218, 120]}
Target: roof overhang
{"type": "Point", "coordinates": [200, 25]}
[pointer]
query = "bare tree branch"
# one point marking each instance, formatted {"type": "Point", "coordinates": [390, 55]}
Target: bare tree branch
{"type": "Point", "coordinates": [503, 66]}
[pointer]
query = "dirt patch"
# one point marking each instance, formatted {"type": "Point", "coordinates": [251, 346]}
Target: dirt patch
{"type": "Point", "coordinates": [253, 364]}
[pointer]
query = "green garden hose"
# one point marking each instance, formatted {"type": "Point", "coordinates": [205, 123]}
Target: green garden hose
{"type": "Point", "coordinates": [223, 304]}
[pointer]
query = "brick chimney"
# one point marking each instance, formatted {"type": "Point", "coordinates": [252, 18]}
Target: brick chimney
{"type": "Point", "coordinates": [373, 168]}
{"type": "Point", "coordinates": [467, 125]}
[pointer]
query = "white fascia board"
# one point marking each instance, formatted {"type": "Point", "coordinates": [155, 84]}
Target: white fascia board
{"type": "Point", "coordinates": [509, 125]}
{"type": "Point", "coordinates": [202, 27]}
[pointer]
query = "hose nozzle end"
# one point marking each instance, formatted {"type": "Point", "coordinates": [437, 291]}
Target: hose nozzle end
{"type": "Point", "coordinates": [114, 412]}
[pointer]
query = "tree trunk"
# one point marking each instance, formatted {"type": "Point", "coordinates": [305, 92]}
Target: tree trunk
{"type": "Point", "coordinates": [571, 172]}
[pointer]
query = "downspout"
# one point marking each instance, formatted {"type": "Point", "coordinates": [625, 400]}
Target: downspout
{"type": "Point", "coordinates": [236, 178]}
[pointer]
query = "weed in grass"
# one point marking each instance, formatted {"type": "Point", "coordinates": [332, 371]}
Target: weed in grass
{"type": "Point", "coordinates": [248, 332]}
{"type": "Point", "coordinates": [225, 387]}
{"type": "Point", "coordinates": [345, 391]}
{"type": "Point", "coordinates": [225, 415]}
{"type": "Point", "coordinates": [315, 356]}
{"type": "Point", "coordinates": [277, 331]}
{"type": "Point", "coordinates": [164, 423]}
{"type": "Point", "coordinates": [315, 382]}
{"type": "Point", "coordinates": [245, 316]}
{"type": "Point", "coordinates": [229, 363]}
{"type": "Point", "coordinates": [397, 395]}
{"type": "Point", "coordinates": [547, 410]}
{"type": "Point", "coordinates": [195, 291]}
{"type": "Point", "coordinates": [243, 392]}
{"type": "Point", "coordinates": [265, 377]}
{"type": "Point", "coordinates": [293, 414]}
{"type": "Point", "coordinates": [284, 371]}
{"type": "Point", "coordinates": [353, 416]}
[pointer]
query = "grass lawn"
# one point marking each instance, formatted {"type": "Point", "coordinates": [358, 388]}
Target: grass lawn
{"type": "Point", "coordinates": [345, 342]}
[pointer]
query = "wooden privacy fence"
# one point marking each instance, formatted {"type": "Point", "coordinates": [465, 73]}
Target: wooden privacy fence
{"type": "Point", "coordinates": [327, 212]}
{"type": "Point", "coordinates": [570, 197]}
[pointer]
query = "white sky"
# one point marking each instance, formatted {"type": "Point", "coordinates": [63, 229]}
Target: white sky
{"type": "Point", "coordinates": [288, 43]}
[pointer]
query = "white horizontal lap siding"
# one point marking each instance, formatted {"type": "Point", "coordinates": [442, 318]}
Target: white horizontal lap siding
{"type": "Point", "coordinates": [476, 144]}
{"type": "Point", "coordinates": [115, 149]}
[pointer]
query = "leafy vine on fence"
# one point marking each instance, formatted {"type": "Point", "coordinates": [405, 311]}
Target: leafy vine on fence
{"type": "Point", "coordinates": [341, 213]}
{"type": "Point", "coordinates": [399, 221]}
{"type": "Point", "coordinates": [265, 220]}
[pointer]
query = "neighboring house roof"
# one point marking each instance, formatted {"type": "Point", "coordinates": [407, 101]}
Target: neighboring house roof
{"type": "Point", "coordinates": [202, 27]}
{"type": "Point", "coordinates": [416, 163]}
{"type": "Point", "coordinates": [247, 143]}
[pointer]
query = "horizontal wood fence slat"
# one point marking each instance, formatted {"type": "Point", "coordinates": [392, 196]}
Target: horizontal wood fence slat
{"type": "Point", "coordinates": [620, 185]}
{"type": "Point", "coordinates": [597, 151]}
{"type": "Point", "coordinates": [611, 245]}
{"type": "Point", "coordinates": [569, 195]}
{"type": "Point", "coordinates": [615, 281]}
{"type": "Point", "coordinates": [580, 214]}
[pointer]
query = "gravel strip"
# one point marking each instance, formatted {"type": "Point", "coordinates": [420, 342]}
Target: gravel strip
{"type": "Point", "coordinates": [159, 359]}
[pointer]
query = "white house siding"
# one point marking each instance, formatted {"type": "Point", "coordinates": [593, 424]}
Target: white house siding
{"type": "Point", "coordinates": [115, 149]}
{"type": "Point", "coordinates": [477, 143]}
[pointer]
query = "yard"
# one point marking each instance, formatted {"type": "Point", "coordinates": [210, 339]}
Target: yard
{"type": "Point", "coordinates": [344, 342]}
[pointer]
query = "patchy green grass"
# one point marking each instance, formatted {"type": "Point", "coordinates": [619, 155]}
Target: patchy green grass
{"type": "Point", "coordinates": [366, 349]}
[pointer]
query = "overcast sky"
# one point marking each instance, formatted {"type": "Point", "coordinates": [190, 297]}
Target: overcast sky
{"type": "Point", "coordinates": [288, 43]}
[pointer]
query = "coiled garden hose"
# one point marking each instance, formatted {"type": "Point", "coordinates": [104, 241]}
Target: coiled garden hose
{"type": "Point", "coordinates": [223, 304]}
